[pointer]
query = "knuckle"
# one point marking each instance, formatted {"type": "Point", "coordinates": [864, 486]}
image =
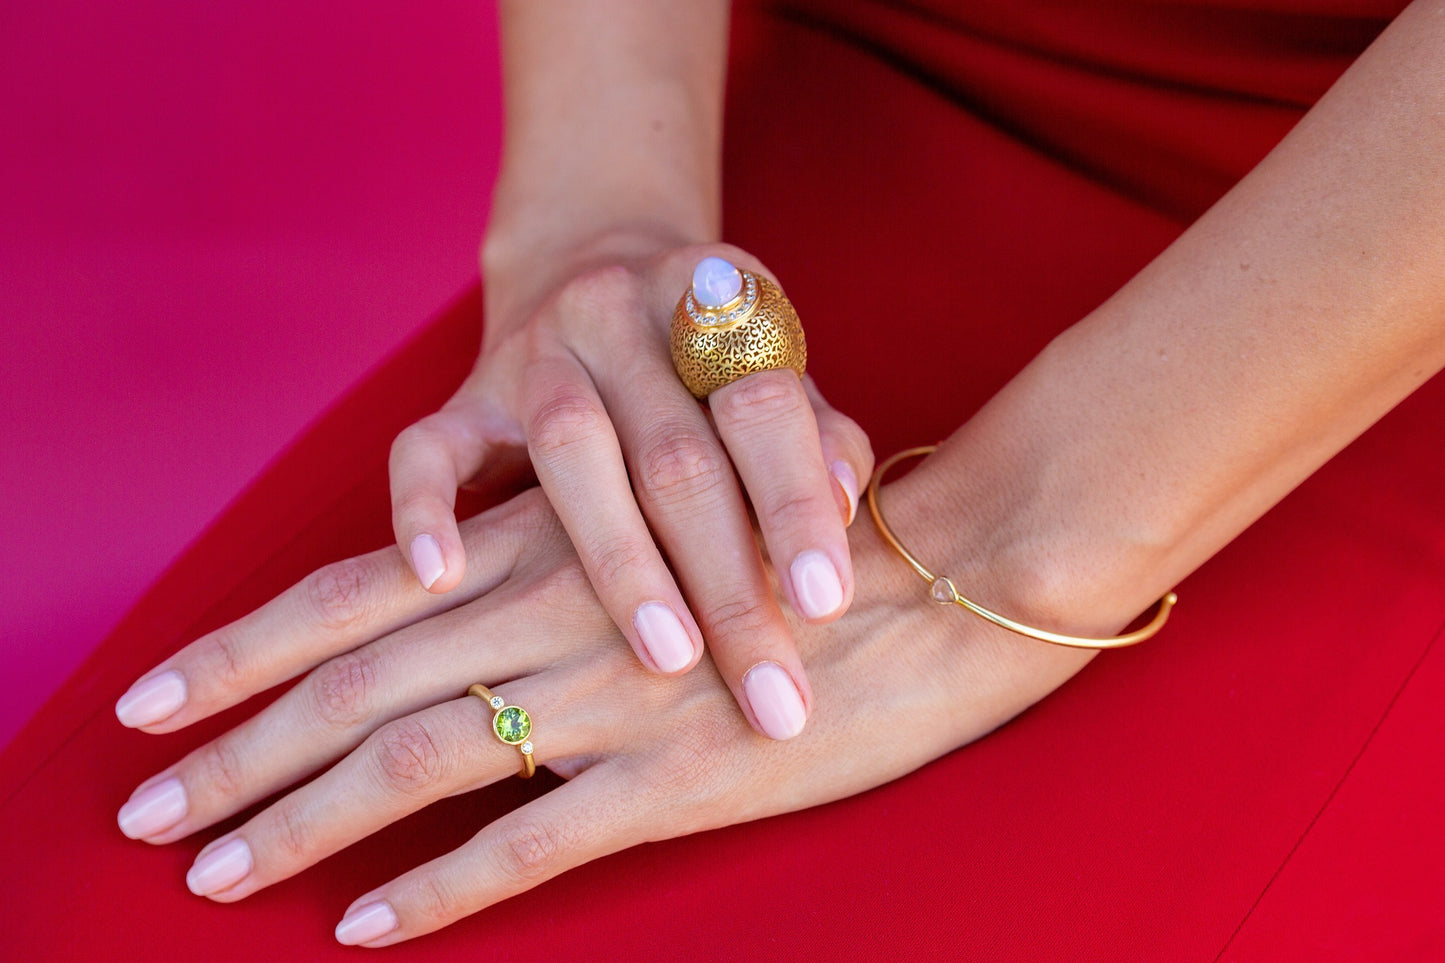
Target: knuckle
{"type": "Point", "coordinates": [530, 849]}
{"type": "Point", "coordinates": [567, 417]}
{"type": "Point", "coordinates": [681, 466]}
{"type": "Point", "coordinates": [794, 510]}
{"type": "Point", "coordinates": [762, 398]}
{"type": "Point", "coordinates": [342, 688]}
{"type": "Point", "coordinates": [418, 434]}
{"type": "Point", "coordinates": [340, 593]}
{"type": "Point", "coordinates": [606, 289]}
{"type": "Point", "coordinates": [616, 559]}
{"type": "Point", "coordinates": [430, 901]}
{"type": "Point", "coordinates": [743, 616]}
{"type": "Point", "coordinates": [409, 756]}
{"type": "Point", "coordinates": [222, 768]}
{"type": "Point", "coordinates": [228, 668]}
{"type": "Point", "coordinates": [290, 831]}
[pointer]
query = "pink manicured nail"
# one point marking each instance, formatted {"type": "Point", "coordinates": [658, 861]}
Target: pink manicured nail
{"type": "Point", "coordinates": [152, 700]}
{"type": "Point", "coordinates": [221, 868]}
{"type": "Point", "coordinates": [426, 559]}
{"type": "Point", "coordinates": [154, 810]}
{"type": "Point", "coordinates": [775, 700]}
{"type": "Point", "coordinates": [843, 473]}
{"type": "Point", "coordinates": [816, 585]}
{"type": "Point", "coordinates": [663, 636]}
{"type": "Point", "coordinates": [369, 922]}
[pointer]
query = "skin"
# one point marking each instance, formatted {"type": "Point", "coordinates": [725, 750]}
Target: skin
{"type": "Point", "coordinates": [588, 250]}
{"type": "Point", "coordinates": [1298, 311]}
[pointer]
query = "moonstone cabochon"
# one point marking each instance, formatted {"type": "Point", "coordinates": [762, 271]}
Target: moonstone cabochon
{"type": "Point", "coordinates": [715, 282]}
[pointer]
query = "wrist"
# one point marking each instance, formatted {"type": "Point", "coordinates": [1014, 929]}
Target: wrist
{"type": "Point", "coordinates": [982, 521]}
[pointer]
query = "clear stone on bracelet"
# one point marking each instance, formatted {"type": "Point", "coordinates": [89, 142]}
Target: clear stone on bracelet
{"type": "Point", "coordinates": [942, 590]}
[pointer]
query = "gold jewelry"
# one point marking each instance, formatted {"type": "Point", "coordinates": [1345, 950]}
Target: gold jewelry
{"type": "Point", "coordinates": [942, 591]}
{"type": "Point", "coordinates": [755, 330]}
{"type": "Point", "coordinates": [511, 724]}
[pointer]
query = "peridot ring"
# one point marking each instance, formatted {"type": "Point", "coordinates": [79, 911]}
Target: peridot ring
{"type": "Point", "coordinates": [511, 724]}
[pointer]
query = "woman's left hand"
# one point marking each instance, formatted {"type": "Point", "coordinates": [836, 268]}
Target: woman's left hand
{"type": "Point", "coordinates": [382, 712]}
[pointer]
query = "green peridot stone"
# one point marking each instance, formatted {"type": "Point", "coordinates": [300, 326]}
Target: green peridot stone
{"type": "Point", "coordinates": [513, 725]}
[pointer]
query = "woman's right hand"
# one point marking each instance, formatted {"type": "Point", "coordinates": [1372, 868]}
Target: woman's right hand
{"type": "Point", "coordinates": [576, 376]}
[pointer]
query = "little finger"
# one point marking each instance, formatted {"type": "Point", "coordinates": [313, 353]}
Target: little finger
{"type": "Point", "coordinates": [594, 815]}
{"type": "Point", "coordinates": [846, 450]}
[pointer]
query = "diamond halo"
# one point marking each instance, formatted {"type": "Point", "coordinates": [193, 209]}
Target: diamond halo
{"type": "Point", "coordinates": [715, 319]}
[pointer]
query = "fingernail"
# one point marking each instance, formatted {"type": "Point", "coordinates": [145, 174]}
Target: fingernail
{"type": "Point", "coordinates": [221, 868]}
{"type": "Point", "coordinates": [367, 923]}
{"type": "Point", "coordinates": [152, 700]}
{"type": "Point", "coordinates": [843, 475]}
{"type": "Point", "coordinates": [153, 810]}
{"type": "Point", "coordinates": [816, 584]}
{"type": "Point", "coordinates": [663, 636]}
{"type": "Point", "coordinates": [775, 700]}
{"type": "Point", "coordinates": [426, 559]}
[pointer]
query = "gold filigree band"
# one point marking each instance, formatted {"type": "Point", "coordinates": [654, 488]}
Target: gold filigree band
{"type": "Point", "coordinates": [758, 330]}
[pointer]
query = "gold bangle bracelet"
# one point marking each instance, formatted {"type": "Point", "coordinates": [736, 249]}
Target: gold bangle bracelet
{"type": "Point", "coordinates": [941, 588]}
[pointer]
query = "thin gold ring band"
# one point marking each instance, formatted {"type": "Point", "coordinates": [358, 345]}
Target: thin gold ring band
{"type": "Point", "coordinates": [942, 590]}
{"type": "Point", "coordinates": [510, 724]}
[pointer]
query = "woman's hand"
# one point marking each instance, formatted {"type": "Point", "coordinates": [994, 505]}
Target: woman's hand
{"type": "Point", "coordinates": [382, 715]}
{"type": "Point", "coordinates": [576, 375]}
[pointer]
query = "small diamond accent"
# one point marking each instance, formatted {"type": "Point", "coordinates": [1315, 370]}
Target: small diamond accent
{"type": "Point", "coordinates": [497, 702]}
{"type": "Point", "coordinates": [527, 748]}
{"type": "Point", "coordinates": [942, 590]}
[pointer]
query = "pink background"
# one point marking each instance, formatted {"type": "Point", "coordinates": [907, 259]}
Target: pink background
{"type": "Point", "coordinates": [215, 217]}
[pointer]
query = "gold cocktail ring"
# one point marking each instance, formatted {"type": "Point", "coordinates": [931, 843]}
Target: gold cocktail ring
{"type": "Point", "coordinates": [511, 724]}
{"type": "Point", "coordinates": [730, 324]}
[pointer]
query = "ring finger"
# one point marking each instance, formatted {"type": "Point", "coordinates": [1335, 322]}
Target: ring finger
{"type": "Point", "coordinates": [402, 767]}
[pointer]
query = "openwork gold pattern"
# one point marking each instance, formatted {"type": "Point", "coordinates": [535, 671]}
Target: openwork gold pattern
{"type": "Point", "coordinates": [769, 336]}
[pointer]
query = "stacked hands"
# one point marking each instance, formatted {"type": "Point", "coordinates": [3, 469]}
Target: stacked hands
{"type": "Point", "coordinates": [640, 532]}
{"type": "Point", "coordinates": [1105, 471]}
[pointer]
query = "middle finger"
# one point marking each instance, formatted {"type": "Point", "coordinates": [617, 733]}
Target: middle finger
{"type": "Point", "coordinates": [688, 491]}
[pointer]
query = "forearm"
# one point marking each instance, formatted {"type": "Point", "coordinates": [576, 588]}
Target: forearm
{"type": "Point", "coordinates": [1292, 316]}
{"type": "Point", "coordinates": [614, 115]}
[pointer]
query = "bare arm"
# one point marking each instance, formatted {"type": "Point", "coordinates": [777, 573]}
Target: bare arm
{"type": "Point", "coordinates": [613, 134]}
{"type": "Point", "coordinates": [607, 200]}
{"type": "Point", "coordinates": [1293, 315]}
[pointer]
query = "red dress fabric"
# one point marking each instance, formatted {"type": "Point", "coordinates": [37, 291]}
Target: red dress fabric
{"type": "Point", "coordinates": [1261, 782]}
